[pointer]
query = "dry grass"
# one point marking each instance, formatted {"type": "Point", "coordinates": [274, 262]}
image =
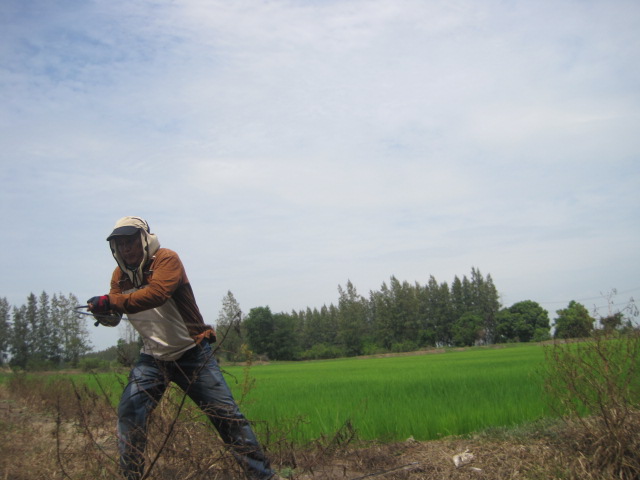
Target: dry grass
{"type": "Point", "coordinates": [600, 453]}
{"type": "Point", "coordinates": [60, 432]}
{"type": "Point", "coordinates": [595, 387]}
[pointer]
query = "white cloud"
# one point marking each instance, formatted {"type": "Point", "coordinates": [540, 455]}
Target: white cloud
{"type": "Point", "coordinates": [285, 147]}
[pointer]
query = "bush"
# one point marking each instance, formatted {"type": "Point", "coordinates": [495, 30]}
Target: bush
{"type": "Point", "coordinates": [371, 348]}
{"type": "Point", "coordinates": [93, 365]}
{"type": "Point", "coordinates": [322, 351]}
{"type": "Point", "coordinates": [541, 335]}
{"type": "Point", "coordinates": [405, 346]}
{"type": "Point", "coordinates": [595, 385]}
{"type": "Point", "coordinates": [40, 365]}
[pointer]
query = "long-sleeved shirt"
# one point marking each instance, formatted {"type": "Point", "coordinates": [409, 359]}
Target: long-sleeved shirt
{"type": "Point", "coordinates": [163, 309]}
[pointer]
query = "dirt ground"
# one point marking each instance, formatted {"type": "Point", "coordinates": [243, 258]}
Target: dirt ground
{"type": "Point", "coordinates": [40, 445]}
{"type": "Point", "coordinates": [435, 460]}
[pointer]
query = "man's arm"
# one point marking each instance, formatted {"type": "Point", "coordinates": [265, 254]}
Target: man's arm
{"type": "Point", "coordinates": [166, 277]}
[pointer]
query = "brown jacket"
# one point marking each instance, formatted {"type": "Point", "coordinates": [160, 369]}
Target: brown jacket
{"type": "Point", "coordinates": [164, 280]}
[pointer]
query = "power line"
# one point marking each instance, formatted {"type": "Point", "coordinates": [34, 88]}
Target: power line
{"type": "Point", "coordinates": [600, 297]}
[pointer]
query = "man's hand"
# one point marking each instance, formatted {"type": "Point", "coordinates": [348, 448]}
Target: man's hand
{"type": "Point", "coordinates": [99, 305]}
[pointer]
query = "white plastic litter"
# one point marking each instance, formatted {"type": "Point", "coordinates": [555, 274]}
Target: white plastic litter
{"type": "Point", "coordinates": [463, 458]}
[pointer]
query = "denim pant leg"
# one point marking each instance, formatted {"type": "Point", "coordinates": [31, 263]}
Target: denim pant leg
{"type": "Point", "coordinates": [199, 375]}
{"type": "Point", "coordinates": [147, 383]}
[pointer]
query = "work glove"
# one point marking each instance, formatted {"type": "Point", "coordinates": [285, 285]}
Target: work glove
{"type": "Point", "coordinates": [99, 305]}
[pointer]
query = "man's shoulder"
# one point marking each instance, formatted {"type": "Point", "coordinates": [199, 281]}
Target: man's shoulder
{"type": "Point", "coordinates": [167, 260]}
{"type": "Point", "coordinates": [165, 254]}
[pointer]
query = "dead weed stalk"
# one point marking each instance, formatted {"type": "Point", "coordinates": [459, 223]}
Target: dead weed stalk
{"type": "Point", "coordinates": [594, 385]}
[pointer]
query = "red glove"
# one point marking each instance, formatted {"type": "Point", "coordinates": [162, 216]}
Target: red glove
{"type": "Point", "coordinates": [99, 305]}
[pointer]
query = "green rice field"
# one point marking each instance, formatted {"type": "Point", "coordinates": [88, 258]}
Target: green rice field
{"type": "Point", "coordinates": [394, 398]}
{"type": "Point", "coordinates": [389, 398]}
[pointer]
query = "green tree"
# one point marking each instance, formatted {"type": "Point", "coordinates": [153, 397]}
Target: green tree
{"type": "Point", "coordinates": [283, 340]}
{"type": "Point", "coordinates": [523, 322]}
{"type": "Point", "coordinates": [127, 351]}
{"type": "Point", "coordinates": [49, 333]}
{"type": "Point", "coordinates": [310, 327]}
{"type": "Point", "coordinates": [439, 312]}
{"type": "Point", "coordinates": [316, 336]}
{"type": "Point", "coordinates": [484, 302]}
{"type": "Point", "coordinates": [259, 327]}
{"type": "Point", "coordinates": [31, 316]}
{"type": "Point", "coordinates": [468, 329]}
{"type": "Point", "coordinates": [618, 320]}
{"type": "Point", "coordinates": [54, 346]}
{"type": "Point", "coordinates": [46, 332]}
{"type": "Point", "coordinates": [19, 348]}
{"type": "Point", "coordinates": [352, 320]}
{"type": "Point", "coordinates": [477, 296]}
{"type": "Point", "coordinates": [382, 316]}
{"type": "Point", "coordinates": [506, 326]}
{"type": "Point", "coordinates": [228, 328]}
{"type": "Point", "coordinates": [612, 322]}
{"type": "Point", "coordinates": [460, 296]}
{"type": "Point", "coordinates": [329, 324]}
{"type": "Point", "coordinates": [5, 330]}
{"type": "Point", "coordinates": [300, 329]}
{"type": "Point", "coordinates": [405, 311]}
{"type": "Point", "coordinates": [573, 322]}
{"type": "Point", "coordinates": [271, 334]}
{"type": "Point", "coordinates": [74, 335]}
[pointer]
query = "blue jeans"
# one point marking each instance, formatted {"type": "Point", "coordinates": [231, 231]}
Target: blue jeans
{"type": "Point", "coordinates": [197, 373]}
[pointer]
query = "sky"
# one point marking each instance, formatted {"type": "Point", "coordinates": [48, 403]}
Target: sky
{"type": "Point", "coordinates": [284, 148]}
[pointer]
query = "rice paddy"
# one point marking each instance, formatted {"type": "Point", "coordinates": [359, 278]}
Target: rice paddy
{"type": "Point", "coordinates": [386, 399]}
{"type": "Point", "coordinates": [394, 398]}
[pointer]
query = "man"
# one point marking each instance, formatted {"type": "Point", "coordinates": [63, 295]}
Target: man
{"type": "Point", "coordinates": [150, 285]}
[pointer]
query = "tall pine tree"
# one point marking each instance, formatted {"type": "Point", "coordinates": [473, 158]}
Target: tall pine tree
{"type": "Point", "coordinates": [5, 330]}
{"type": "Point", "coordinates": [228, 328]}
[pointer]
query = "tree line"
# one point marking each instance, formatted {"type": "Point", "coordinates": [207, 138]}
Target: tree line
{"type": "Point", "coordinates": [46, 332]}
{"type": "Point", "coordinates": [398, 317]}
